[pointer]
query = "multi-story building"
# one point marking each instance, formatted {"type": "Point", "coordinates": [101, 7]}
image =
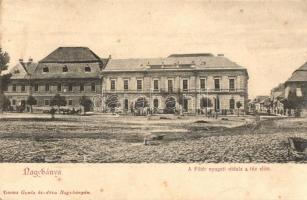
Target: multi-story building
{"type": "Point", "coordinates": [71, 72]}
{"type": "Point", "coordinates": [189, 82]}
{"type": "Point", "coordinates": [185, 82]}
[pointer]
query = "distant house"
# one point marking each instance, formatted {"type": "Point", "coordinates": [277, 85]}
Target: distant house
{"type": "Point", "coordinates": [278, 99]}
{"type": "Point", "coordinates": [260, 104]}
{"type": "Point", "coordinates": [296, 89]}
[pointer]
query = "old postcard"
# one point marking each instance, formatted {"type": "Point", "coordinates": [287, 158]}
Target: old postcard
{"type": "Point", "coordinates": [179, 99]}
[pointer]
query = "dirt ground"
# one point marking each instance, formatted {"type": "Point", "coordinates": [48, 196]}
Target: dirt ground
{"type": "Point", "coordinates": [111, 138]}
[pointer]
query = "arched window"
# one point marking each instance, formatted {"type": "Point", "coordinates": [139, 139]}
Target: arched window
{"type": "Point", "coordinates": [231, 104]}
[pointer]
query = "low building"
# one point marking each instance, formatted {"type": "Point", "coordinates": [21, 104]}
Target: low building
{"type": "Point", "coordinates": [296, 89]}
{"type": "Point", "coordinates": [260, 104]}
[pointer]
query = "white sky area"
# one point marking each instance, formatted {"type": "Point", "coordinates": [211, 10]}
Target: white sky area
{"type": "Point", "coordinates": [268, 38]}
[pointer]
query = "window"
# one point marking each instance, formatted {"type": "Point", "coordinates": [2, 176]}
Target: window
{"type": "Point", "coordinates": [65, 69]}
{"type": "Point", "coordinates": [70, 102]}
{"type": "Point", "coordinates": [59, 87]}
{"type": "Point", "coordinates": [14, 88]}
{"type": "Point", "coordinates": [299, 92]}
{"type": "Point", "coordinates": [217, 104]}
{"type": "Point", "coordinates": [126, 84]}
{"type": "Point", "coordinates": [47, 87]}
{"type": "Point", "coordinates": [156, 84]}
{"type": "Point", "coordinates": [139, 84]}
{"type": "Point", "coordinates": [23, 88]}
{"type": "Point", "coordinates": [217, 84]}
{"type": "Point", "coordinates": [45, 69]}
{"type": "Point", "coordinates": [5, 88]}
{"type": "Point", "coordinates": [81, 87]}
{"type": "Point", "coordinates": [202, 83]}
{"type": "Point", "coordinates": [231, 104]}
{"type": "Point", "coordinates": [113, 85]}
{"type": "Point", "coordinates": [185, 105]}
{"type": "Point", "coordinates": [185, 84]}
{"type": "Point", "coordinates": [93, 87]}
{"type": "Point", "coordinates": [36, 87]}
{"type": "Point", "coordinates": [35, 102]}
{"type": "Point", "coordinates": [47, 103]}
{"type": "Point", "coordinates": [231, 84]}
{"type": "Point", "coordinates": [87, 69]}
{"type": "Point", "coordinates": [156, 103]}
{"type": "Point", "coordinates": [13, 102]}
{"type": "Point", "coordinates": [126, 104]}
{"type": "Point", "coordinates": [170, 85]}
{"type": "Point", "coordinates": [70, 87]}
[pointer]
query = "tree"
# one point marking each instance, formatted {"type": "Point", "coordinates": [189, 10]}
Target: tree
{"type": "Point", "coordinates": [31, 101]}
{"type": "Point", "coordinates": [58, 101]}
{"type": "Point", "coordinates": [141, 102]}
{"type": "Point", "coordinates": [112, 101]}
{"type": "Point", "coordinates": [86, 103]}
{"type": "Point", "coordinates": [239, 105]}
{"type": "Point", "coordinates": [4, 60]}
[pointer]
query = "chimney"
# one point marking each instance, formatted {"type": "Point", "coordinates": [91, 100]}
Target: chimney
{"type": "Point", "coordinates": [21, 60]}
{"type": "Point", "coordinates": [30, 60]}
{"type": "Point", "coordinates": [110, 56]}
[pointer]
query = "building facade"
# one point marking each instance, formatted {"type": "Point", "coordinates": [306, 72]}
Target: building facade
{"type": "Point", "coordinates": [187, 83]}
{"type": "Point", "coordinates": [71, 72]}
{"type": "Point", "coordinates": [296, 89]}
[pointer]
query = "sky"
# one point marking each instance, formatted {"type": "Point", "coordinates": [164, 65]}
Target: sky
{"type": "Point", "coordinates": [269, 38]}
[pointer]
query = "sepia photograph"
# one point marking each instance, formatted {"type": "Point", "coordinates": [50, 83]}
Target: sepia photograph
{"type": "Point", "coordinates": [153, 82]}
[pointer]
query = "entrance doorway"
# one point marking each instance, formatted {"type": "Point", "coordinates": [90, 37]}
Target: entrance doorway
{"type": "Point", "coordinates": [185, 105]}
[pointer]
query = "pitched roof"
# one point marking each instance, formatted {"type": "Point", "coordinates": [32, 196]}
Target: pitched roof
{"type": "Point", "coordinates": [30, 67]}
{"type": "Point", "coordinates": [260, 99]}
{"type": "Point", "coordinates": [193, 62]}
{"type": "Point", "coordinates": [22, 70]}
{"type": "Point", "coordinates": [71, 55]}
{"type": "Point", "coordinates": [74, 70]}
{"type": "Point", "coordinates": [299, 75]}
